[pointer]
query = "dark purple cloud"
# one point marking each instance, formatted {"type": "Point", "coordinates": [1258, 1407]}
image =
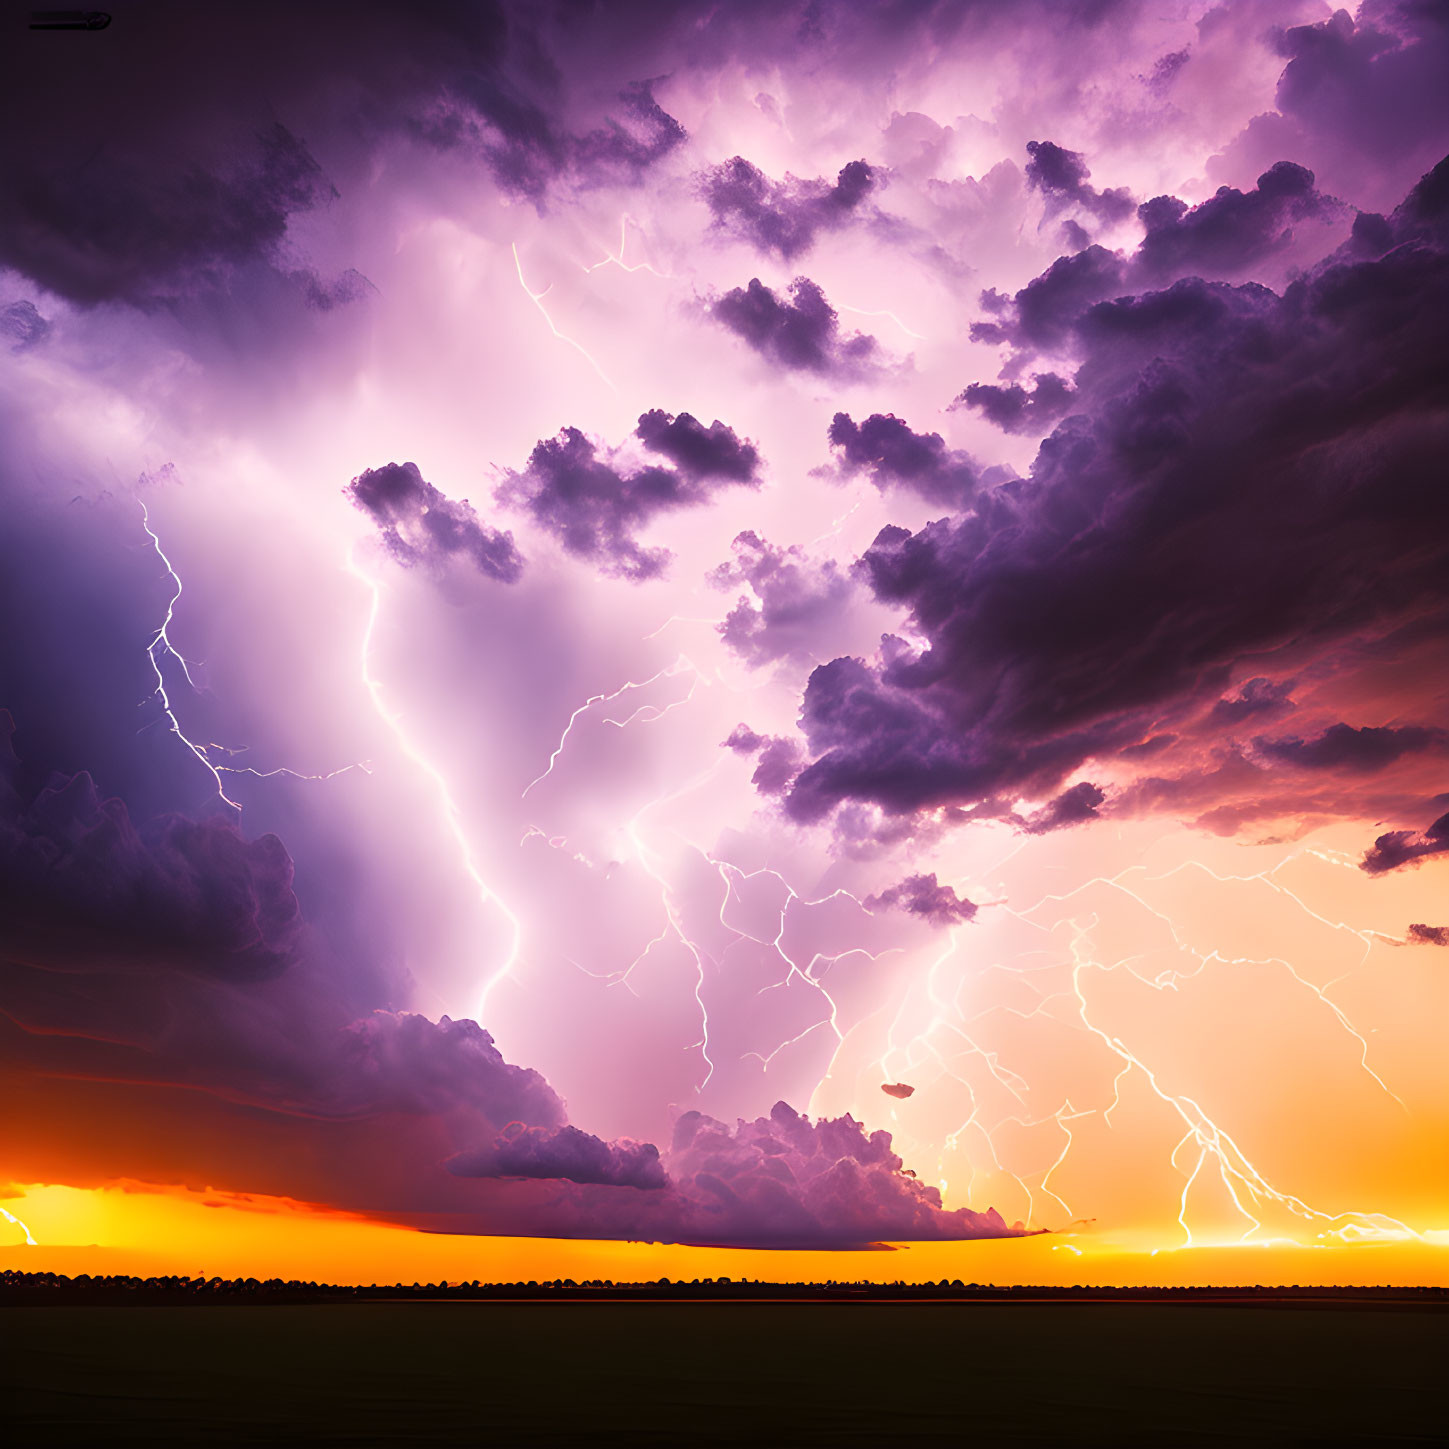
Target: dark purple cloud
{"type": "Point", "coordinates": [78, 878]}
{"type": "Point", "coordinates": [593, 502]}
{"type": "Point", "coordinates": [783, 217]}
{"type": "Point", "coordinates": [801, 334]}
{"type": "Point", "coordinates": [1429, 935]}
{"type": "Point", "coordinates": [895, 457]}
{"type": "Point", "coordinates": [1074, 806]}
{"type": "Point", "coordinates": [1289, 444]}
{"type": "Point", "coordinates": [1342, 747]}
{"type": "Point", "coordinates": [1231, 231]}
{"type": "Point", "coordinates": [1372, 86]}
{"type": "Point", "coordinates": [700, 453]}
{"type": "Point", "coordinates": [566, 1153]}
{"type": "Point", "coordinates": [795, 600]}
{"type": "Point", "coordinates": [622, 150]}
{"type": "Point", "coordinates": [1398, 848]}
{"type": "Point", "coordinates": [129, 230]}
{"type": "Point", "coordinates": [177, 162]}
{"type": "Point", "coordinates": [1222, 237]}
{"type": "Point", "coordinates": [1257, 699]}
{"type": "Point", "coordinates": [422, 527]}
{"type": "Point", "coordinates": [1014, 409]}
{"type": "Point", "coordinates": [1061, 176]}
{"type": "Point", "coordinates": [1041, 314]}
{"type": "Point", "coordinates": [920, 895]}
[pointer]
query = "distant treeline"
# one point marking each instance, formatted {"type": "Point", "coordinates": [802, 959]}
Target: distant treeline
{"type": "Point", "coordinates": [56, 1290]}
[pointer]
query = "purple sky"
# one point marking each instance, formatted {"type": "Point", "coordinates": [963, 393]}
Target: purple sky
{"type": "Point", "coordinates": [587, 586]}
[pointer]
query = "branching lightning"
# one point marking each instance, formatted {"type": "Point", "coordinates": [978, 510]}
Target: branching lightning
{"type": "Point", "coordinates": [617, 258]}
{"type": "Point", "coordinates": [452, 816]}
{"type": "Point", "coordinates": [537, 299]}
{"type": "Point", "coordinates": [161, 641]}
{"type": "Point", "coordinates": [647, 712]}
{"type": "Point", "coordinates": [160, 648]}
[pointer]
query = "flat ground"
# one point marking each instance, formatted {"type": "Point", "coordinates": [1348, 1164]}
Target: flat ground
{"type": "Point", "coordinates": [725, 1373]}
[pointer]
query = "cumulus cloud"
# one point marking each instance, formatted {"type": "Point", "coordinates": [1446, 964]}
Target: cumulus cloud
{"type": "Point", "coordinates": [1286, 443]}
{"type": "Point", "coordinates": [784, 1180]}
{"type": "Point", "coordinates": [593, 500]}
{"type": "Point", "coordinates": [1429, 935]}
{"type": "Point", "coordinates": [421, 526]}
{"type": "Point", "coordinates": [1061, 176]}
{"type": "Point", "coordinates": [783, 217]}
{"type": "Point", "coordinates": [1224, 237]}
{"type": "Point", "coordinates": [1014, 409]}
{"type": "Point", "coordinates": [779, 758]}
{"type": "Point", "coordinates": [1230, 231]}
{"type": "Point", "coordinates": [1040, 316]}
{"type": "Point", "coordinates": [793, 602]}
{"type": "Point", "coordinates": [893, 457]}
{"type": "Point", "coordinates": [802, 334]}
{"type": "Point", "coordinates": [920, 895]}
{"type": "Point", "coordinates": [565, 1153]}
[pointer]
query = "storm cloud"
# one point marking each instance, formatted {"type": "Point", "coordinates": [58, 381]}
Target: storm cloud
{"type": "Point", "coordinates": [593, 501]}
{"type": "Point", "coordinates": [801, 334]}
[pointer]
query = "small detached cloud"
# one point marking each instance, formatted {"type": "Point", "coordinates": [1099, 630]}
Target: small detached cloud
{"type": "Point", "coordinates": [801, 334]}
{"type": "Point", "coordinates": [594, 501]}
{"type": "Point", "coordinates": [921, 895]}
{"type": "Point", "coordinates": [782, 217]}
{"type": "Point", "coordinates": [422, 527]}
{"type": "Point", "coordinates": [1397, 848]}
{"type": "Point", "coordinates": [894, 457]}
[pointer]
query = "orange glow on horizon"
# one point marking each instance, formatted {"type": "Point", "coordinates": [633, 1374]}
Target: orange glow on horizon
{"type": "Point", "coordinates": [144, 1229]}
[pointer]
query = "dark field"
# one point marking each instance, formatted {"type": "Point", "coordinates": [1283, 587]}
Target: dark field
{"type": "Point", "coordinates": [726, 1373]}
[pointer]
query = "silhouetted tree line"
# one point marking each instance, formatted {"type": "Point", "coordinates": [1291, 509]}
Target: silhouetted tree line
{"type": "Point", "coordinates": [56, 1289]}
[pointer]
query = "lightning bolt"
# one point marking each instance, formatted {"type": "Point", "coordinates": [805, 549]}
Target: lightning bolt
{"type": "Point", "coordinates": [648, 712]}
{"type": "Point", "coordinates": [862, 312]}
{"type": "Point", "coordinates": [11, 1218]}
{"type": "Point", "coordinates": [1238, 1174]}
{"type": "Point", "coordinates": [161, 642]}
{"type": "Point", "coordinates": [617, 258]}
{"type": "Point", "coordinates": [452, 816]}
{"type": "Point", "coordinates": [537, 299]}
{"type": "Point", "coordinates": [161, 648]}
{"type": "Point", "coordinates": [1247, 1185]}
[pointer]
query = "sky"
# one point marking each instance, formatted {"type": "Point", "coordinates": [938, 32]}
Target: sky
{"type": "Point", "coordinates": [656, 634]}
